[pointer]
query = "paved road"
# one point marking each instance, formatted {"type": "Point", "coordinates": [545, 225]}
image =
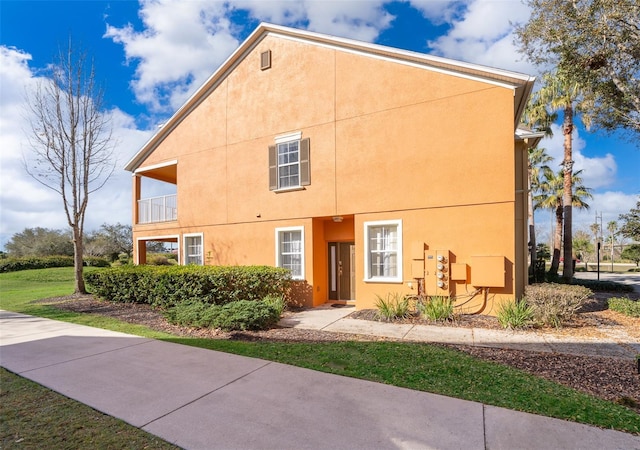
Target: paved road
{"type": "Point", "coordinates": [630, 278]}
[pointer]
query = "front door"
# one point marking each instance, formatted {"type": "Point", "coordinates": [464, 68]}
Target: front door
{"type": "Point", "coordinates": [342, 271]}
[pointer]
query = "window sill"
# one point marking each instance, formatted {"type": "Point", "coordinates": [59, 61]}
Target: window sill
{"type": "Point", "coordinates": [383, 280]}
{"type": "Point", "coordinates": [289, 189]}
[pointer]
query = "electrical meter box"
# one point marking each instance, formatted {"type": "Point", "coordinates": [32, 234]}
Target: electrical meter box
{"type": "Point", "coordinates": [437, 272]}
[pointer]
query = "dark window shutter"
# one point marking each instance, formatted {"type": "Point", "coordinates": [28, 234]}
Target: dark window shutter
{"type": "Point", "coordinates": [305, 168]}
{"type": "Point", "coordinates": [273, 168]}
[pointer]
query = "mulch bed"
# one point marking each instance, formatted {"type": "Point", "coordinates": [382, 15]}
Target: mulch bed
{"type": "Point", "coordinates": [613, 379]}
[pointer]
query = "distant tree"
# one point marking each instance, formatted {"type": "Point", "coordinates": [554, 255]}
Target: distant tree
{"type": "Point", "coordinates": [583, 247]}
{"type": "Point", "coordinates": [543, 251]}
{"type": "Point", "coordinates": [70, 139]}
{"type": "Point", "coordinates": [631, 223]}
{"type": "Point", "coordinates": [110, 241]}
{"type": "Point", "coordinates": [596, 43]}
{"type": "Point", "coordinates": [612, 228]}
{"type": "Point", "coordinates": [632, 252]}
{"type": "Point", "coordinates": [40, 242]}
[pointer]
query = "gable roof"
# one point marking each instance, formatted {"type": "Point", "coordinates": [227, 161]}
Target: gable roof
{"type": "Point", "coordinates": [521, 84]}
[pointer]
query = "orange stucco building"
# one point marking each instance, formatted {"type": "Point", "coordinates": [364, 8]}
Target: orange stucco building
{"type": "Point", "coordinates": [364, 169]}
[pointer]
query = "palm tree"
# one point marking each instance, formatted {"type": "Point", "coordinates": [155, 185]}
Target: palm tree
{"type": "Point", "coordinates": [538, 159]}
{"type": "Point", "coordinates": [536, 116]}
{"type": "Point", "coordinates": [551, 196]}
{"type": "Point", "coordinates": [560, 92]}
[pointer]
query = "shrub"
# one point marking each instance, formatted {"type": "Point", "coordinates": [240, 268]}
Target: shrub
{"type": "Point", "coordinates": [438, 308]}
{"type": "Point", "coordinates": [46, 262]}
{"type": "Point", "coordinates": [515, 315]}
{"type": "Point", "coordinates": [238, 315]}
{"type": "Point", "coordinates": [625, 306]}
{"type": "Point", "coordinates": [93, 261]}
{"type": "Point", "coordinates": [192, 313]}
{"type": "Point", "coordinates": [246, 315]}
{"type": "Point", "coordinates": [167, 286]}
{"type": "Point", "coordinates": [554, 304]}
{"type": "Point", "coordinates": [603, 286]}
{"type": "Point", "coordinates": [277, 302]}
{"type": "Point", "coordinates": [393, 306]}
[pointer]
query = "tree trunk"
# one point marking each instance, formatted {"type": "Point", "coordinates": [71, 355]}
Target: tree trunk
{"type": "Point", "coordinates": [557, 242]}
{"type": "Point", "coordinates": [532, 226]}
{"type": "Point", "coordinates": [567, 197]}
{"type": "Point", "coordinates": [77, 262]}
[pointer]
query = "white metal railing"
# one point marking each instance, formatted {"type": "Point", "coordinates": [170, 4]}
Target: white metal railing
{"type": "Point", "coordinates": [158, 209]}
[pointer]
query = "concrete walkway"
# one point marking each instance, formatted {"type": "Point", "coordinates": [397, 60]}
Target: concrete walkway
{"type": "Point", "coordinates": [202, 399]}
{"type": "Point", "coordinates": [612, 343]}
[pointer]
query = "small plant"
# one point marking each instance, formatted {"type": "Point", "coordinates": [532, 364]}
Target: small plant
{"type": "Point", "coordinates": [393, 306]}
{"type": "Point", "coordinates": [438, 308]}
{"type": "Point", "coordinates": [625, 306]}
{"type": "Point", "coordinates": [554, 304]}
{"type": "Point", "coordinates": [277, 302]}
{"type": "Point", "coordinates": [515, 315]}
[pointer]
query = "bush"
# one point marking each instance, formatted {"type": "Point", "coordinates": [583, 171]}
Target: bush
{"type": "Point", "coordinates": [625, 306]}
{"type": "Point", "coordinates": [277, 302]}
{"type": "Point", "coordinates": [554, 304]}
{"type": "Point", "coordinates": [161, 260]}
{"type": "Point", "coordinates": [93, 261]}
{"type": "Point", "coordinates": [603, 286]}
{"type": "Point", "coordinates": [167, 286]}
{"type": "Point", "coordinates": [393, 306]}
{"type": "Point", "coordinates": [438, 308]}
{"type": "Point", "coordinates": [515, 315]}
{"type": "Point", "coordinates": [46, 262]}
{"type": "Point", "coordinates": [246, 315]}
{"type": "Point", "coordinates": [238, 315]}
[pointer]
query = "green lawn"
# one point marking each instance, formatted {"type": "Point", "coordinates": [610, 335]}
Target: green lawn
{"type": "Point", "coordinates": [415, 366]}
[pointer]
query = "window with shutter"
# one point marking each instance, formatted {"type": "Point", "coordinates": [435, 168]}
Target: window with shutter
{"type": "Point", "coordinates": [289, 163]}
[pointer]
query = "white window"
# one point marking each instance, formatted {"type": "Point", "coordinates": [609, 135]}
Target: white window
{"type": "Point", "coordinates": [193, 249]}
{"type": "Point", "coordinates": [383, 251]}
{"type": "Point", "coordinates": [290, 250]}
{"type": "Point", "coordinates": [288, 164]}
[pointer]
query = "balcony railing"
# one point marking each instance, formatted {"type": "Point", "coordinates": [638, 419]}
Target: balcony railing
{"type": "Point", "coordinates": [158, 209]}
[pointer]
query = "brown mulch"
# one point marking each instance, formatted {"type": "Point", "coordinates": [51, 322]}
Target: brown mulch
{"type": "Point", "coordinates": [613, 379]}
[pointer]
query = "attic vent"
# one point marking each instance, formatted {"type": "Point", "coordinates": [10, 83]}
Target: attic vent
{"type": "Point", "coordinates": [265, 60]}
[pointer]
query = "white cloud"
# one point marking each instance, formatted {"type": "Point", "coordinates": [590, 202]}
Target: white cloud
{"type": "Point", "coordinates": [597, 172]}
{"type": "Point", "coordinates": [609, 204]}
{"type": "Point", "coordinates": [482, 33]}
{"type": "Point", "coordinates": [182, 43]}
{"type": "Point", "coordinates": [24, 202]}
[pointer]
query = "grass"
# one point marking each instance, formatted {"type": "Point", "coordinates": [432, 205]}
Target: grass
{"type": "Point", "coordinates": [35, 417]}
{"type": "Point", "coordinates": [415, 366]}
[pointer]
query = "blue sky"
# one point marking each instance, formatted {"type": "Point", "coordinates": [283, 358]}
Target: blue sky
{"type": "Point", "coordinates": [151, 55]}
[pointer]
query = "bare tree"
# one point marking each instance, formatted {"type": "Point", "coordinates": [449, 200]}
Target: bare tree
{"type": "Point", "coordinates": [71, 140]}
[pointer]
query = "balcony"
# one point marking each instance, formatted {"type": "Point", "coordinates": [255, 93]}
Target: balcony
{"type": "Point", "coordinates": [158, 209]}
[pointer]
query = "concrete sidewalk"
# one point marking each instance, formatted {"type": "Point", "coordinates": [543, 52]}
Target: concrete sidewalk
{"type": "Point", "coordinates": [616, 344]}
{"type": "Point", "coordinates": [202, 399]}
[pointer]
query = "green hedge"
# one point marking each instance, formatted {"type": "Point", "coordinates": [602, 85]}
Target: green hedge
{"type": "Point", "coordinates": [167, 286]}
{"type": "Point", "coordinates": [239, 315]}
{"type": "Point", "coordinates": [625, 306]}
{"type": "Point", "coordinates": [46, 262]}
{"type": "Point", "coordinates": [603, 286]}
